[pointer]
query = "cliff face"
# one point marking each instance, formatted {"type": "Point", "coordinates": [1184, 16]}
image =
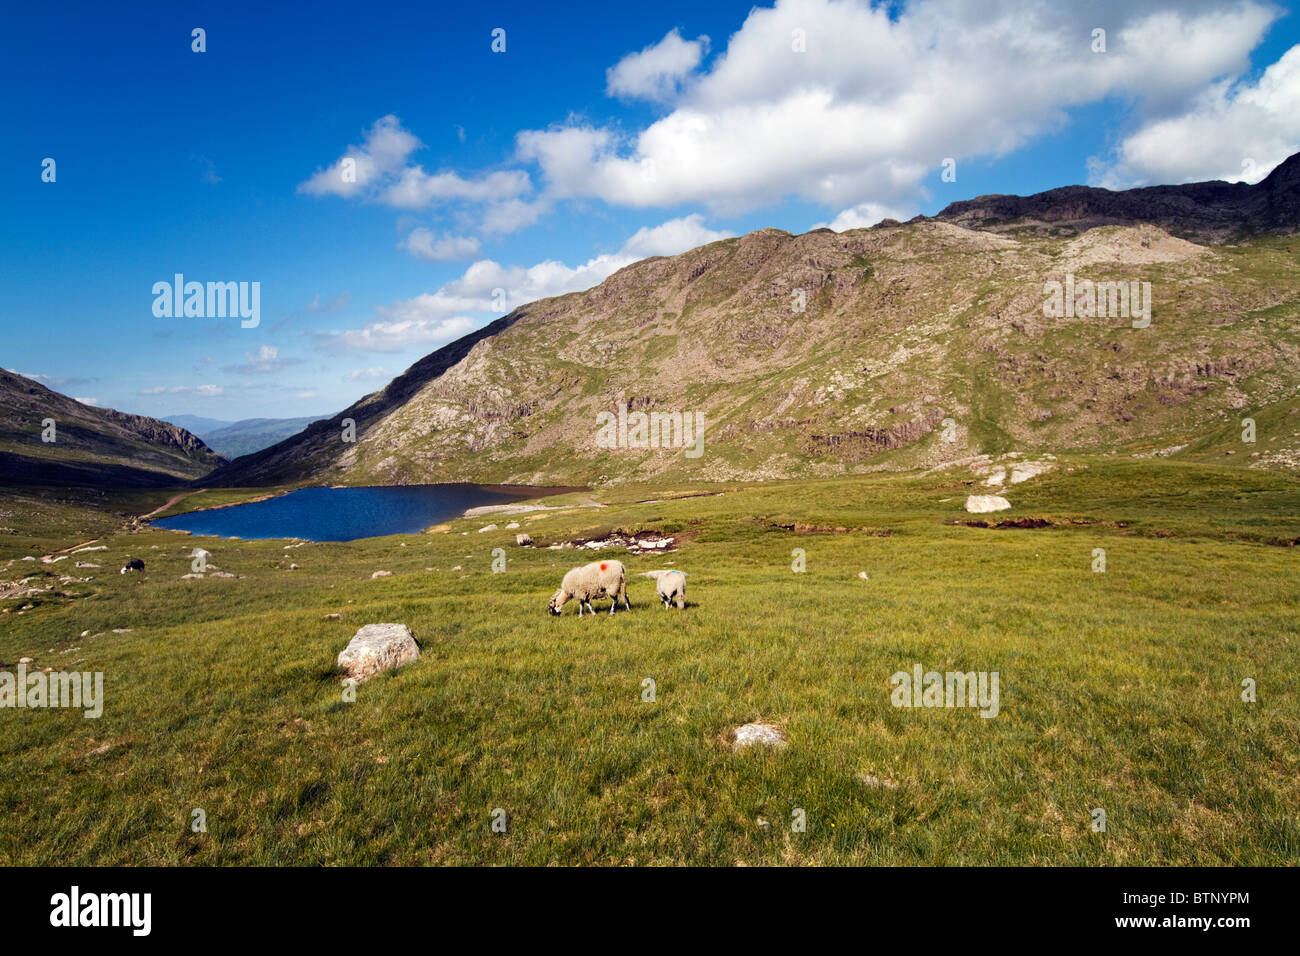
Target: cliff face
{"type": "Point", "coordinates": [94, 446]}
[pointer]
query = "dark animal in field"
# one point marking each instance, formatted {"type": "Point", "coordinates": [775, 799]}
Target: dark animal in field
{"type": "Point", "coordinates": [135, 564]}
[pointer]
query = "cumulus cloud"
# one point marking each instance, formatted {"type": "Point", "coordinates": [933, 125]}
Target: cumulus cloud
{"type": "Point", "coordinates": [879, 96]}
{"type": "Point", "coordinates": [865, 214]}
{"type": "Point", "coordinates": [657, 71]}
{"type": "Point", "coordinates": [382, 155]}
{"type": "Point", "coordinates": [490, 287]}
{"type": "Point", "coordinates": [1236, 130]}
{"type": "Point", "coordinates": [380, 170]}
{"type": "Point", "coordinates": [423, 244]}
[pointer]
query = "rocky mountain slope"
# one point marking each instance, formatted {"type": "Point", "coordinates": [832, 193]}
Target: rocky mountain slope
{"type": "Point", "coordinates": [1206, 212]}
{"type": "Point", "coordinates": [917, 344]}
{"type": "Point", "coordinates": [91, 446]}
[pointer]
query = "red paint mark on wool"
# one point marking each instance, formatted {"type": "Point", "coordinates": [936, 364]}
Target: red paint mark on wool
{"type": "Point", "coordinates": [602, 565]}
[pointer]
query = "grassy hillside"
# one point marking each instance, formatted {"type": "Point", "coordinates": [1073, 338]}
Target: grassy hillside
{"type": "Point", "coordinates": [48, 439]}
{"type": "Point", "coordinates": [904, 328]}
{"type": "Point", "coordinates": [1119, 690]}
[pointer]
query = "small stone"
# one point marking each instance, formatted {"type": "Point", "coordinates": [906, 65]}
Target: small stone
{"type": "Point", "coordinates": [24, 660]}
{"type": "Point", "coordinates": [488, 527]}
{"type": "Point", "coordinates": [381, 574]}
{"type": "Point", "coordinates": [751, 735]}
{"type": "Point", "coordinates": [333, 617]}
{"type": "Point", "coordinates": [512, 525]}
{"type": "Point", "coordinates": [293, 567]}
{"type": "Point", "coordinates": [863, 575]}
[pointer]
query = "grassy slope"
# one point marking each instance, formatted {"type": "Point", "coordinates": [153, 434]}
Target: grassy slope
{"type": "Point", "coordinates": [1119, 690]}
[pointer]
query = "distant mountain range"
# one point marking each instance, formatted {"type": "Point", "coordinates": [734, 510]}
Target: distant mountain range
{"type": "Point", "coordinates": [232, 439]}
{"type": "Point", "coordinates": [90, 446]}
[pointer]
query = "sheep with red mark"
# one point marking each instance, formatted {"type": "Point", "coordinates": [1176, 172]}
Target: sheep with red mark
{"type": "Point", "coordinates": [595, 580]}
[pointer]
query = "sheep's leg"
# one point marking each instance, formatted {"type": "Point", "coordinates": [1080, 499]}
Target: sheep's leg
{"type": "Point", "coordinates": [681, 601]}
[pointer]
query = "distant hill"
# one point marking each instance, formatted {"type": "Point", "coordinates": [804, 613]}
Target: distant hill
{"type": "Point", "coordinates": [1206, 212]}
{"type": "Point", "coordinates": [197, 424]}
{"type": "Point", "coordinates": [92, 446]}
{"type": "Point", "coordinates": [233, 439]}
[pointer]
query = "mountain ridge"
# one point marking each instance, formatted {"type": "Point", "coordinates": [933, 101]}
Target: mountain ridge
{"type": "Point", "coordinates": [91, 446]}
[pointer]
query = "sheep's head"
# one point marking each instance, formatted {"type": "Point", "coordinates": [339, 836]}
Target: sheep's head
{"type": "Point", "coordinates": [557, 601]}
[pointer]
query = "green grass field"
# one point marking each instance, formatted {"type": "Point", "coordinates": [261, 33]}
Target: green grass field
{"type": "Point", "coordinates": [1120, 690]}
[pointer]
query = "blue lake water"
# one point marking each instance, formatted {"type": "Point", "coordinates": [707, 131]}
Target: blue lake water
{"type": "Point", "coordinates": [345, 514]}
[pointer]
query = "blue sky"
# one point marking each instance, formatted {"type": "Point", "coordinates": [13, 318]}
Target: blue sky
{"type": "Point", "coordinates": [484, 179]}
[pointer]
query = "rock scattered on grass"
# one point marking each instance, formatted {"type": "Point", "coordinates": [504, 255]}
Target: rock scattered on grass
{"type": "Point", "coordinates": [376, 648]}
{"type": "Point", "coordinates": [981, 504]}
{"type": "Point", "coordinates": [487, 527]}
{"type": "Point", "coordinates": [761, 735]}
{"type": "Point", "coordinates": [381, 574]}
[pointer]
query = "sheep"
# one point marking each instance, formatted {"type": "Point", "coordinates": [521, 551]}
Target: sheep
{"type": "Point", "coordinates": [598, 579]}
{"type": "Point", "coordinates": [671, 586]}
{"type": "Point", "coordinates": [135, 564]}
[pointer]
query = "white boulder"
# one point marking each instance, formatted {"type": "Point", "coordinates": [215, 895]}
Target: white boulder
{"type": "Point", "coordinates": [982, 504]}
{"type": "Point", "coordinates": [378, 647]}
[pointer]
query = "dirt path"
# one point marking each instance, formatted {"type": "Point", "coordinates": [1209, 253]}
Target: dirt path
{"type": "Point", "coordinates": [170, 501]}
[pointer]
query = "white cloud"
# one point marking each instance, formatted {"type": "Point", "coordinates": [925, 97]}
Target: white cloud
{"type": "Point", "coordinates": [671, 237]}
{"type": "Point", "coordinates": [489, 287]}
{"type": "Point", "coordinates": [208, 391]}
{"type": "Point", "coordinates": [657, 71]}
{"type": "Point", "coordinates": [864, 215]}
{"type": "Point", "coordinates": [264, 361]}
{"type": "Point", "coordinates": [385, 151]}
{"type": "Point", "coordinates": [423, 244]}
{"type": "Point", "coordinates": [1235, 130]}
{"type": "Point", "coordinates": [415, 189]}
{"type": "Point", "coordinates": [404, 324]}
{"type": "Point", "coordinates": [883, 94]}
{"type": "Point", "coordinates": [379, 170]}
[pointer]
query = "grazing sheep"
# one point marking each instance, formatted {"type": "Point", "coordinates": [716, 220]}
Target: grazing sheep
{"type": "Point", "coordinates": [135, 564]}
{"type": "Point", "coordinates": [671, 586]}
{"type": "Point", "coordinates": [598, 579]}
